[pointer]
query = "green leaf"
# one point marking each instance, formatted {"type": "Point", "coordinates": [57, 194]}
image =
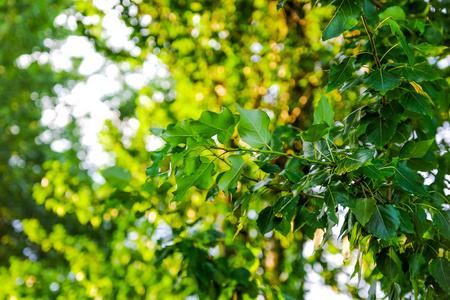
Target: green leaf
{"type": "Point", "coordinates": [395, 28]}
{"type": "Point", "coordinates": [230, 178]}
{"type": "Point", "coordinates": [420, 72]}
{"type": "Point", "coordinates": [315, 132]}
{"type": "Point", "coordinates": [384, 222]}
{"type": "Point", "coordinates": [430, 50]}
{"type": "Point", "coordinates": [280, 4]}
{"type": "Point", "coordinates": [210, 124]}
{"type": "Point", "coordinates": [395, 292]}
{"type": "Point", "coordinates": [351, 122]}
{"type": "Point", "coordinates": [117, 177]}
{"type": "Point", "coordinates": [201, 178]}
{"type": "Point", "coordinates": [241, 275]}
{"type": "Point", "coordinates": [363, 210]}
{"type": "Point", "coordinates": [341, 73]}
{"type": "Point", "coordinates": [439, 268]}
{"type": "Point", "coordinates": [285, 206]}
{"type": "Point", "coordinates": [388, 267]}
{"type": "Point", "coordinates": [421, 148]}
{"type": "Point", "coordinates": [324, 112]}
{"type": "Point", "coordinates": [407, 149]}
{"type": "Point", "coordinates": [406, 224]}
{"type": "Point", "coordinates": [345, 17]}
{"type": "Point", "coordinates": [382, 81]}
{"type": "Point", "coordinates": [441, 220]}
{"type": "Point", "coordinates": [407, 179]}
{"type": "Point", "coordinates": [254, 127]}
{"type": "Point", "coordinates": [373, 290]}
{"type": "Point", "coordinates": [395, 12]}
{"type": "Point", "coordinates": [372, 172]}
{"type": "Point", "coordinates": [157, 159]}
{"type": "Point", "coordinates": [392, 111]}
{"type": "Point", "coordinates": [379, 132]}
{"type": "Point", "coordinates": [354, 161]}
{"type": "Point", "coordinates": [267, 221]}
{"type": "Point", "coordinates": [416, 102]}
{"type": "Point", "coordinates": [330, 201]}
{"type": "Point", "coordinates": [416, 264]}
{"type": "Point", "coordinates": [178, 133]}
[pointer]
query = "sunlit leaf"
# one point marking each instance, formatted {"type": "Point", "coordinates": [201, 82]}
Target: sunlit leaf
{"type": "Point", "coordinates": [324, 112]}
{"type": "Point", "coordinates": [230, 178]}
{"type": "Point", "coordinates": [254, 127]}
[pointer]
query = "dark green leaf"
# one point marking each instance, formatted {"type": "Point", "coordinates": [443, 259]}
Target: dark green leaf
{"type": "Point", "coordinates": [420, 72]}
{"type": "Point", "coordinates": [395, 28]}
{"type": "Point", "coordinates": [379, 132]}
{"type": "Point", "coordinates": [331, 202]}
{"type": "Point", "coordinates": [241, 275]}
{"type": "Point", "coordinates": [441, 220]}
{"type": "Point", "coordinates": [230, 178]}
{"type": "Point", "coordinates": [395, 292]}
{"type": "Point", "coordinates": [384, 222]}
{"type": "Point", "coordinates": [392, 111]}
{"type": "Point", "coordinates": [406, 224]}
{"type": "Point", "coordinates": [364, 209]}
{"type": "Point", "coordinates": [407, 179]}
{"type": "Point", "coordinates": [345, 17]}
{"type": "Point", "coordinates": [341, 73]}
{"type": "Point", "coordinates": [407, 149]}
{"type": "Point", "coordinates": [388, 267]}
{"type": "Point", "coordinates": [382, 81]}
{"type": "Point", "coordinates": [201, 178]}
{"type": "Point", "coordinates": [439, 269]}
{"type": "Point", "coordinates": [315, 132]}
{"type": "Point", "coordinates": [267, 221]}
{"type": "Point", "coordinates": [280, 4]}
{"type": "Point", "coordinates": [354, 161]}
{"type": "Point", "coordinates": [352, 122]}
{"type": "Point", "coordinates": [416, 264]}
{"type": "Point", "coordinates": [324, 112]}
{"type": "Point", "coordinates": [372, 172]}
{"type": "Point", "coordinates": [285, 206]}
{"type": "Point", "coordinates": [254, 127]}
{"type": "Point", "coordinates": [416, 102]}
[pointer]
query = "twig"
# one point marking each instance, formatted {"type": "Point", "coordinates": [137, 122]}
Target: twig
{"type": "Point", "coordinates": [377, 4]}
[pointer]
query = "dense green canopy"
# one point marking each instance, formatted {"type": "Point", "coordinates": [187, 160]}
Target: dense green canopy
{"type": "Point", "coordinates": [242, 149]}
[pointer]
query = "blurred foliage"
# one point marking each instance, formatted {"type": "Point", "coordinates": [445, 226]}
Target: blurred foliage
{"type": "Point", "coordinates": [65, 236]}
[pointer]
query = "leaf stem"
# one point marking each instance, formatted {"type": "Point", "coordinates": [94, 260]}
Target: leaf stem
{"type": "Point", "coordinates": [272, 152]}
{"type": "Point", "coordinates": [374, 49]}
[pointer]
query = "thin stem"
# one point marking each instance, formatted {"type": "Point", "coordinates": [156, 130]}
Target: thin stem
{"type": "Point", "coordinates": [377, 4]}
{"type": "Point", "coordinates": [372, 43]}
{"type": "Point", "coordinates": [374, 48]}
{"type": "Point", "coordinates": [381, 59]}
{"type": "Point", "coordinates": [272, 152]}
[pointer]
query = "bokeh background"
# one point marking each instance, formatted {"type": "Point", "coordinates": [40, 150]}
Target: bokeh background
{"type": "Point", "coordinates": [81, 83]}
